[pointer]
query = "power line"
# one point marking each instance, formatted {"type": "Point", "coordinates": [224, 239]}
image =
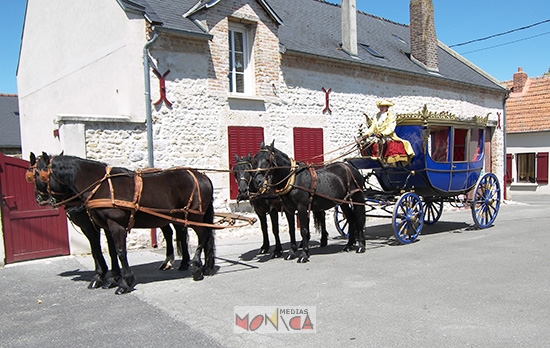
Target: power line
{"type": "Point", "coordinates": [507, 43]}
{"type": "Point", "coordinates": [500, 34]}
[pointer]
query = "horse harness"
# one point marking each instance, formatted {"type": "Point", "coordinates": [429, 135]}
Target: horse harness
{"type": "Point", "coordinates": [312, 190]}
{"type": "Point", "coordinates": [134, 206]}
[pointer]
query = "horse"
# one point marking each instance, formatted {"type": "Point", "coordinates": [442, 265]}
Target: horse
{"type": "Point", "coordinates": [263, 206]}
{"type": "Point", "coordinates": [79, 217]}
{"type": "Point", "coordinates": [303, 188]}
{"type": "Point", "coordinates": [118, 199]}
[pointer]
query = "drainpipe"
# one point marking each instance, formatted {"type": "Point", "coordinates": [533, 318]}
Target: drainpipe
{"type": "Point", "coordinates": [148, 116]}
{"type": "Point", "coordinates": [506, 96]}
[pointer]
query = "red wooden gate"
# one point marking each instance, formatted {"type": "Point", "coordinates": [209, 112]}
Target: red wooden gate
{"type": "Point", "coordinates": [30, 231]}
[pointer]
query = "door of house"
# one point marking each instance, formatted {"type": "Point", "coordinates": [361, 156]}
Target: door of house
{"type": "Point", "coordinates": [30, 231]}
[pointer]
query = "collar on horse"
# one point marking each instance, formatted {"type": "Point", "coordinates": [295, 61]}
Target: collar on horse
{"type": "Point", "coordinates": [291, 178]}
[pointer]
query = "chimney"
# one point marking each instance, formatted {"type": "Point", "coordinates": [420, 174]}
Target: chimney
{"type": "Point", "coordinates": [520, 78]}
{"type": "Point", "coordinates": [349, 27]}
{"type": "Point", "coordinates": [423, 38]}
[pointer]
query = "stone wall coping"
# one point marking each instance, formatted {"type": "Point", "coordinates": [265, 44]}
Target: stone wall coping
{"type": "Point", "coordinates": [75, 118]}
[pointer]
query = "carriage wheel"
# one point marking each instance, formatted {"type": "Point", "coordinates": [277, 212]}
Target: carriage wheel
{"type": "Point", "coordinates": [486, 201]}
{"type": "Point", "coordinates": [340, 221]}
{"type": "Point", "coordinates": [432, 211]}
{"type": "Point", "coordinates": [408, 218]}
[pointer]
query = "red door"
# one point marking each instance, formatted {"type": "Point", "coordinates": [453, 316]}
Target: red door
{"type": "Point", "coordinates": [30, 231]}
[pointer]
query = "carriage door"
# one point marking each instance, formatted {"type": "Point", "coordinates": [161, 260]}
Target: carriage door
{"type": "Point", "coordinates": [308, 145]}
{"type": "Point", "coordinates": [30, 231]}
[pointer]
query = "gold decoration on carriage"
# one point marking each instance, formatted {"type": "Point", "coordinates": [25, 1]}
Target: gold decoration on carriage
{"type": "Point", "coordinates": [425, 117]}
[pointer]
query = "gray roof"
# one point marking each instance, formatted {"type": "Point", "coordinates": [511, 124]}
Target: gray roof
{"type": "Point", "coordinates": [10, 133]}
{"type": "Point", "coordinates": [314, 27]}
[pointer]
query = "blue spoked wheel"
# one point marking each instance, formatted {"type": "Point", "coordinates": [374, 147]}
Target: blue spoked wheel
{"type": "Point", "coordinates": [432, 210]}
{"type": "Point", "coordinates": [408, 218]}
{"type": "Point", "coordinates": [486, 201]}
{"type": "Point", "coordinates": [340, 221]}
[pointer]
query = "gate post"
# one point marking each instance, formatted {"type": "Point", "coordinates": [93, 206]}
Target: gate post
{"type": "Point", "coordinates": [2, 247]}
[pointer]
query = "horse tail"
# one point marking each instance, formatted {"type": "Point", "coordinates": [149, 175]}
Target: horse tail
{"type": "Point", "coordinates": [319, 220]}
{"type": "Point", "coordinates": [210, 247]}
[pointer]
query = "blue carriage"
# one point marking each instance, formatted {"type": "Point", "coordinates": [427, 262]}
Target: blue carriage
{"type": "Point", "coordinates": [448, 164]}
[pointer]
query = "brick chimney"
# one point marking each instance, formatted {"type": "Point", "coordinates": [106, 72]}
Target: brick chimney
{"type": "Point", "coordinates": [520, 79]}
{"type": "Point", "coordinates": [423, 38]}
{"type": "Point", "coordinates": [349, 27]}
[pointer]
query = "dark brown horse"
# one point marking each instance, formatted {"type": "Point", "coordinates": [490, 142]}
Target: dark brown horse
{"type": "Point", "coordinates": [78, 216]}
{"type": "Point", "coordinates": [263, 206]}
{"type": "Point", "coordinates": [304, 189]}
{"type": "Point", "coordinates": [118, 199]}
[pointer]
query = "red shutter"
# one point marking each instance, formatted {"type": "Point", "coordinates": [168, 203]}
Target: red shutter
{"type": "Point", "coordinates": [308, 145]}
{"type": "Point", "coordinates": [242, 141]}
{"type": "Point", "coordinates": [508, 168]}
{"type": "Point", "coordinates": [542, 168]}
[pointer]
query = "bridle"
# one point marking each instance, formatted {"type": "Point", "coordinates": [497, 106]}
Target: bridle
{"type": "Point", "coordinates": [45, 175]}
{"type": "Point", "coordinates": [30, 177]}
{"type": "Point", "coordinates": [243, 177]}
{"type": "Point", "coordinates": [290, 178]}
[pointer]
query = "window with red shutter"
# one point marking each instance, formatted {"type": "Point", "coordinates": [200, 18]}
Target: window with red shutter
{"type": "Point", "coordinates": [242, 141]}
{"type": "Point", "coordinates": [308, 145]}
{"type": "Point", "coordinates": [542, 168]}
{"type": "Point", "coordinates": [508, 168]}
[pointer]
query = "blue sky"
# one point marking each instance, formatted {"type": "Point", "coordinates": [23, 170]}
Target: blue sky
{"type": "Point", "coordinates": [456, 21]}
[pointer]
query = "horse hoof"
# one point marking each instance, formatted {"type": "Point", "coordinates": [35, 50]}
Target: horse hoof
{"type": "Point", "coordinates": [324, 243]}
{"type": "Point", "coordinates": [121, 290]}
{"type": "Point", "coordinates": [277, 255]}
{"type": "Point", "coordinates": [361, 250]}
{"type": "Point", "coordinates": [290, 256]}
{"type": "Point", "coordinates": [184, 266]}
{"type": "Point", "coordinates": [347, 249]}
{"type": "Point", "coordinates": [95, 284]}
{"type": "Point", "coordinates": [303, 259]}
{"type": "Point", "coordinates": [110, 283]}
{"type": "Point", "coordinates": [198, 275]}
{"type": "Point", "coordinates": [263, 251]}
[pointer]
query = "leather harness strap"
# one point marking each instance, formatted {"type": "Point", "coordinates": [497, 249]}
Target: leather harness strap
{"type": "Point", "coordinates": [350, 191]}
{"type": "Point", "coordinates": [134, 205]}
{"type": "Point", "coordinates": [313, 174]}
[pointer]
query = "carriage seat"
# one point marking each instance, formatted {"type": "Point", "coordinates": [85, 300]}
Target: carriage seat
{"type": "Point", "coordinates": [394, 152]}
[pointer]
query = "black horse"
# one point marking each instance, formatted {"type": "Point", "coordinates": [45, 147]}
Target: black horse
{"type": "Point", "coordinates": [263, 206]}
{"type": "Point", "coordinates": [304, 189]}
{"type": "Point", "coordinates": [78, 216]}
{"type": "Point", "coordinates": [118, 199]}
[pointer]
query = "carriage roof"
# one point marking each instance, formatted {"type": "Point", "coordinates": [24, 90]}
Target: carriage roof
{"type": "Point", "coordinates": [425, 117]}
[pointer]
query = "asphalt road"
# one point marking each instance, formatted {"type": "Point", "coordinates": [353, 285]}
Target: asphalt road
{"type": "Point", "coordinates": [455, 287]}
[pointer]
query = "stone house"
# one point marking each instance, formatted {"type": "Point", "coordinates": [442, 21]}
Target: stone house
{"type": "Point", "coordinates": [527, 133]}
{"type": "Point", "coordinates": [165, 83]}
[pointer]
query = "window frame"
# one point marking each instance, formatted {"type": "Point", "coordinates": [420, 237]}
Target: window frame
{"type": "Point", "coordinates": [527, 160]}
{"type": "Point", "coordinates": [248, 88]}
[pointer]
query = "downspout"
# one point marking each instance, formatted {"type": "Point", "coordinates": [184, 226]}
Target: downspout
{"type": "Point", "coordinates": [148, 116]}
{"type": "Point", "coordinates": [506, 96]}
{"type": "Point", "coordinates": [148, 112]}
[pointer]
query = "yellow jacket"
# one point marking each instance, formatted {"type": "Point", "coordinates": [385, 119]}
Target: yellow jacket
{"type": "Point", "coordinates": [387, 129]}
